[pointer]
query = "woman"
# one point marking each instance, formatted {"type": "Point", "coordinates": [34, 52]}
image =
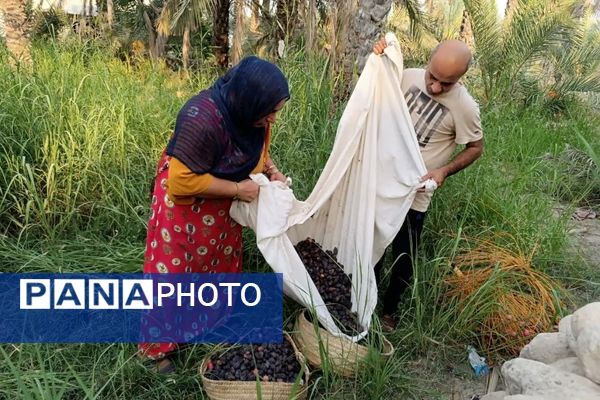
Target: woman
{"type": "Point", "coordinates": [222, 135]}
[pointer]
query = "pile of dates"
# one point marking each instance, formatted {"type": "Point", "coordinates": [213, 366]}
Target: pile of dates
{"type": "Point", "coordinates": [331, 281]}
{"type": "Point", "coordinates": [267, 362]}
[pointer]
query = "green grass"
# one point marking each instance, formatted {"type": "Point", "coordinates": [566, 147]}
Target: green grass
{"type": "Point", "coordinates": [79, 140]}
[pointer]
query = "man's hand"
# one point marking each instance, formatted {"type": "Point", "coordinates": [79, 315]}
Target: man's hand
{"type": "Point", "coordinates": [438, 175]}
{"type": "Point", "coordinates": [466, 157]}
{"type": "Point", "coordinates": [379, 46]}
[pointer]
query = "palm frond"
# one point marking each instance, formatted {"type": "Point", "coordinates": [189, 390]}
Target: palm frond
{"type": "Point", "coordinates": [445, 19]}
{"type": "Point", "coordinates": [177, 14]}
{"type": "Point", "coordinates": [580, 84]}
{"type": "Point", "coordinates": [487, 33]}
{"type": "Point", "coordinates": [416, 15]}
{"type": "Point", "coordinates": [575, 63]}
{"type": "Point", "coordinates": [534, 28]}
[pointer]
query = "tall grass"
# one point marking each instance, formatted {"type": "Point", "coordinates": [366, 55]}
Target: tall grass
{"type": "Point", "coordinates": [79, 140]}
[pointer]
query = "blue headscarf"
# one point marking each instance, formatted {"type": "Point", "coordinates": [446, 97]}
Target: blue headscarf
{"type": "Point", "coordinates": [247, 93]}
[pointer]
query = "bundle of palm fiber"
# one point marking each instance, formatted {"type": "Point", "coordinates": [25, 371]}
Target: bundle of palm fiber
{"type": "Point", "coordinates": [517, 301]}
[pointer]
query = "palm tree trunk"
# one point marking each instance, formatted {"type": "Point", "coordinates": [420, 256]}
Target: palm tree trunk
{"type": "Point", "coordinates": [81, 26]}
{"type": "Point", "coordinates": [343, 47]}
{"type": "Point", "coordinates": [510, 7]}
{"type": "Point", "coordinates": [430, 6]}
{"type": "Point", "coordinates": [311, 26]}
{"type": "Point", "coordinates": [238, 33]}
{"type": "Point", "coordinates": [149, 30]}
{"type": "Point", "coordinates": [109, 13]}
{"type": "Point", "coordinates": [466, 32]}
{"type": "Point", "coordinates": [367, 27]}
{"type": "Point", "coordinates": [161, 42]}
{"type": "Point", "coordinates": [255, 22]}
{"type": "Point", "coordinates": [221, 32]}
{"type": "Point", "coordinates": [266, 13]}
{"type": "Point", "coordinates": [151, 35]}
{"type": "Point", "coordinates": [16, 30]}
{"type": "Point", "coordinates": [281, 18]}
{"type": "Point", "coordinates": [288, 18]}
{"type": "Point", "coordinates": [185, 48]}
{"type": "Point", "coordinates": [360, 24]}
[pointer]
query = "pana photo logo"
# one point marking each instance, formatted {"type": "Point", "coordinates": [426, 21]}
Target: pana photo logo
{"type": "Point", "coordinates": [138, 308]}
{"type": "Point", "coordinates": [128, 294]}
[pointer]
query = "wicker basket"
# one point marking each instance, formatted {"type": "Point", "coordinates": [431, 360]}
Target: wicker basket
{"type": "Point", "coordinates": [247, 390]}
{"type": "Point", "coordinates": [344, 356]}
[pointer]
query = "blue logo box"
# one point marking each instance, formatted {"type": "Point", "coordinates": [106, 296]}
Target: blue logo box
{"type": "Point", "coordinates": [136, 308]}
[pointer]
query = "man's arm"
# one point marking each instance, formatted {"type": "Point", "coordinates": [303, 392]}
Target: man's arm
{"type": "Point", "coordinates": [470, 153]}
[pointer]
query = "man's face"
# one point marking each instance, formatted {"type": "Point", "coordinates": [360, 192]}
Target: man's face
{"type": "Point", "coordinates": [436, 81]}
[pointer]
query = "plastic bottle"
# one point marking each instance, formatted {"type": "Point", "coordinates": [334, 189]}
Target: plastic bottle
{"type": "Point", "coordinates": [477, 362]}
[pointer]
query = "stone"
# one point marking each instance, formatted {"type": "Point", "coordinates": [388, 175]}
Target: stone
{"type": "Point", "coordinates": [547, 348]}
{"type": "Point", "coordinates": [587, 316]}
{"type": "Point", "coordinates": [533, 378]}
{"type": "Point", "coordinates": [588, 351]}
{"type": "Point", "coordinates": [564, 327]}
{"type": "Point", "coordinates": [569, 364]}
{"type": "Point", "coordinates": [526, 397]}
{"type": "Point", "coordinates": [494, 396]}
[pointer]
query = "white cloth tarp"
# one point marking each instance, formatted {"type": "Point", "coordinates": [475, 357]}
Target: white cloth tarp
{"type": "Point", "coordinates": [360, 200]}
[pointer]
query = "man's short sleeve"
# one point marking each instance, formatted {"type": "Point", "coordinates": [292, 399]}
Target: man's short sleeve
{"type": "Point", "coordinates": [468, 122]}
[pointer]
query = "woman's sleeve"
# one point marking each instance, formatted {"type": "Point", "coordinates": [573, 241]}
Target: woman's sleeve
{"type": "Point", "coordinates": [182, 182]}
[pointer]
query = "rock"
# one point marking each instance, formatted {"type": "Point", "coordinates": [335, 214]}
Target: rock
{"type": "Point", "coordinates": [570, 364]}
{"type": "Point", "coordinates": [588, 351]}
{"type": "Point", "coordinates": [494, 396]}
{"type": "Point", "coordinates": [533, 378]}
{"type": "Point", "coordinates": [564, 326]}
{"type": "Point", "coordinates": [587, 316]}
{"type": "Point", "coordinates": [547, 348]}
{"type": "Point", "coordinates": [525, 397]}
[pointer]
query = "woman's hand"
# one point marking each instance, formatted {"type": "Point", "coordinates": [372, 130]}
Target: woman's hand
{"type": "Point", "coordinates": [273, 173]}
{"type": "Point", "coordinates": [277, 176]}
{"type": "Point", "coordinates": [247, 190]}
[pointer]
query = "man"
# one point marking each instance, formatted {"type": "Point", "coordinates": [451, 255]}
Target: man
{"type": "Point", "coordinates": [444, 115]}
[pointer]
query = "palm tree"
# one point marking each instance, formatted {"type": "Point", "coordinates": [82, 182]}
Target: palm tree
{"type": "Point", "coordinates": [311, 26]}
{"type": "Point", "coordinates": [341, 40]}
{"type": "Point", "coordinates": [445, 20]}
{"type": "Point", "coordinates": [181, 17]}
{"type": "Point", "coordinates": [510, 6]}
{"type": "Point", "coordinates": [574, 65]}
{"type": "Point", "coordinates": [367, 27]}
{"type": "Point", "coordinates": [288, 19]}
{"type": "Point", "coordinates": [505, 49]}
{"type": "Point", "coordinates": [16, 29]}
{"type": "Point", "coordinates": [466, 32]}
{"type": "Point", "coordinates": [254, 25]}
{"type": "Point", "coordinates": [221, 32]}
{"type": "Point", "coordinates": [109, 13]}
{"type": "Point", "coordinates": [265, 12]}
{"type": "Point", "coordinates": [157, 38]}
{"type": "Point", "coordinates": [238, 33]}
{"type": "Point", "coordinates": [364, 26]}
